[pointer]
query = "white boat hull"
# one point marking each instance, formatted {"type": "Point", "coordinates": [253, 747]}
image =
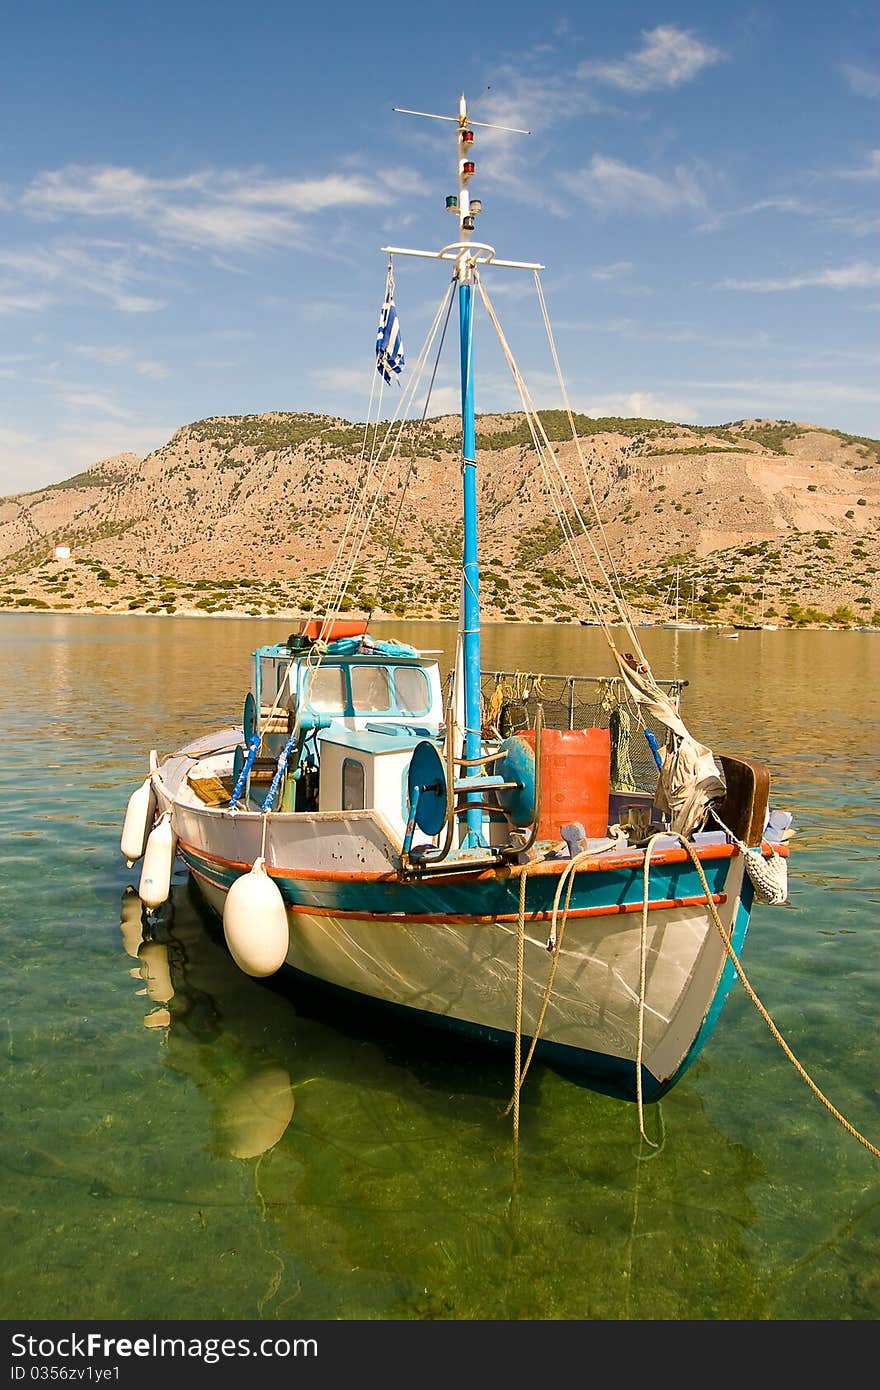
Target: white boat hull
{"type": "Point", "coordinates": [460, 968]}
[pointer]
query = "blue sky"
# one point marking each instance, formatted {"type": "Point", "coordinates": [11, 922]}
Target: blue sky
{"type": "Point", "coordinates": [193, 197]}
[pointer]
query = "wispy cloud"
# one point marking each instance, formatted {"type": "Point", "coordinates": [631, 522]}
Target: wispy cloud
{"type": "Point", "coordinates": [118, 356]}
{"type": "Point", "coordinates": [807, 399]}
{"type": "Point", "coordinates": [618, 269]}
{"type": "Point", "coordinates": [535, 96]}
{"type": "Point", "coordinates": [833, 390]}
{"type": "Point", "coordinates": [668, 57]}
{"type": "Point", "coordinates": [859, 275]}
{"type": "Point", "coordinates": [221, 210]}
{"type": "Point", "coordinates": [869, 172]}
{"type": "Point", "coordinates": [865, 82]}
{"type": "Point", "coordinates": [324, 311]}
{"type": "Point", "coordinates": [795, 206]}
{"type": "Point", "coordinates": [33, 460]}
{"type": "Point", "coordinates": [82, 399]}
{"type": "Point", "coordinates": [14, 301]}
{"type": "Point", "coordinates": [645, 405]}
{"type": "Point", "coordinates": [341, 378]}
{"type": "Point", "coordinates": [69, 268]}
{"type": "Point", "coordinates": [608, 184]}
{"type": "Point", "coordinates": [525, 100]}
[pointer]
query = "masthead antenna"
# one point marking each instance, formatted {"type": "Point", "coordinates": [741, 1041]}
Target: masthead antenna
{"type": "Point", "coordinates": [461, 119]}
{"type": "Point", "coordinates": [465, 252]}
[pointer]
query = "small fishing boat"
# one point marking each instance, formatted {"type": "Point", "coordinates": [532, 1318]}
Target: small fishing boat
{"type": "Point", "coordinates": [550, 861]}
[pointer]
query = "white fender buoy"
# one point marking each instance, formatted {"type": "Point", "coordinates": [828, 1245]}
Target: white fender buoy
{"type": "Point", "coordinates": [138, 819]}
{"type": "Point", "coordinates": [255, 923]}
{"type": "Point", "coordinates": [155, 884]}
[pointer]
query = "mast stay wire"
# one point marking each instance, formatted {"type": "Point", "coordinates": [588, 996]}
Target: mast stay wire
{"type": "Point", "coordinates": [369, 487]}
{"type": "Point", "coordinates": [409, 474]}
{"type": "Point", "coordinates": [559, 489]}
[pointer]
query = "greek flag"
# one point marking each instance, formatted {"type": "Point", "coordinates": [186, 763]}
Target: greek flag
{"type": "Point", "coordinates": [389, 345]}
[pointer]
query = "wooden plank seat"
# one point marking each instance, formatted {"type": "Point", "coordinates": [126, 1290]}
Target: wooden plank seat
{"type": "Point", "coordinates": [279, 721]}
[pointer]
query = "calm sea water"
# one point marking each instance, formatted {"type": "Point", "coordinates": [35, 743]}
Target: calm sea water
{"type": "Point", "coordinates": [180, 1141]}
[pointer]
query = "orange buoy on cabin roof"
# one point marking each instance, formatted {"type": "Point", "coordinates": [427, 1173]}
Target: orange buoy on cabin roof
{"type": "Point", "coordinates": [342, 627]}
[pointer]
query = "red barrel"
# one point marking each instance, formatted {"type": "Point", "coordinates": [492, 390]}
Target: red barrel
{"type": "Point", "coordinates": [575, 780]}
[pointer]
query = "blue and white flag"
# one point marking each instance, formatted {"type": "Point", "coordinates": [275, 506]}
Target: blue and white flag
{"type": "Point", "coordinates": [389, 344]}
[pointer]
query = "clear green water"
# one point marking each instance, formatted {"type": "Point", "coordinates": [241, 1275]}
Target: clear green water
{"type": "Point", "coordinates": [386, 1187]}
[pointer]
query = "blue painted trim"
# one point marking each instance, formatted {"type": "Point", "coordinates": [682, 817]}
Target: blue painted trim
{"type": "Point", "coordinates": [611, 1076]}
{"type": "Point", "coordinates": [489, 898]}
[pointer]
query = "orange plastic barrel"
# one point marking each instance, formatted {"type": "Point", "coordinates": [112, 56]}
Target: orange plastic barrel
{"type": "Point", "coordinates": [575, 780]}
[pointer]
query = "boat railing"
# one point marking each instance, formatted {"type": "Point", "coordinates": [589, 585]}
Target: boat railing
{"type": "Point", "coordinates": [510, 701]}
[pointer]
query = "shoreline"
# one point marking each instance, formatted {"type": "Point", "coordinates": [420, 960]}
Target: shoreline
{"type": "Point", "coordinates": [289, 617]}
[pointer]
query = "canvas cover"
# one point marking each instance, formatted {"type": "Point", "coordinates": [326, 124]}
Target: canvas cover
{"type": "Point", "coordinates": [690, 776]}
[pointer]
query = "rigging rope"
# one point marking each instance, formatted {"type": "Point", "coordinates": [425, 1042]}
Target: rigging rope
{"type": "Point", "coordinates": [574, 434]}
{"type": "Point", "coordinates": [559, 490]}
{"type": "Point", "coordinates": [369, 488]}
{"type": "Point", "coordinates": [409, 474]}
{"type": "Point", "coordinates": [518, 1076]}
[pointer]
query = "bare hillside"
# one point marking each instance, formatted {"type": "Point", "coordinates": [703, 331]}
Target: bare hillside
{"type": "Point", "coordinates": [244, 513]}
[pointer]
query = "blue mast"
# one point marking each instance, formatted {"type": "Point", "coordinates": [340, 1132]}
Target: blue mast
{"type": "Point", "coordinates": [466, 255]}
{"type": "Point", "coordinates": [470, 570]}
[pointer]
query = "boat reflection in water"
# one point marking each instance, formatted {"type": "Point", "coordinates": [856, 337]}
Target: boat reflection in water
{"type": "Point", "coordinates": [253, 1102]}
{"type": "Point", "coordinates": [393, 1193]}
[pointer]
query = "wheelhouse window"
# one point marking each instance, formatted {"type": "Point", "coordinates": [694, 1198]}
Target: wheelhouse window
{"type": "Point", "coordinates": [411, 689]}
{"type": "Point", "coordinates": [274, 676]}
{"type": "Point", "coordinates": [325, 690]}
{"type": "Point", "coordinates": [370, 689]}
{"type": "Point", "coordinates": [353, 795]}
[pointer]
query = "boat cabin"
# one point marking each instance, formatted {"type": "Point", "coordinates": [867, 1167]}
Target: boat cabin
{"type": "Point", "coordinates": [349, 689]}
{"type": "Point", "coordinates": [365, 705]}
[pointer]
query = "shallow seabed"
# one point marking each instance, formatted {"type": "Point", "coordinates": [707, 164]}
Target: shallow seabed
{"type": "Point", "coordinates": [180, 1141]}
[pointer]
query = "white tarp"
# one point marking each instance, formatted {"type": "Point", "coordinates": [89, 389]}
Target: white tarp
{"type": "Point", "coordinates": [690, 777]}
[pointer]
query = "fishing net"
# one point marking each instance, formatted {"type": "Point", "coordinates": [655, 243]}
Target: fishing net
{"type": "Point", "coordinates": [510, 702]}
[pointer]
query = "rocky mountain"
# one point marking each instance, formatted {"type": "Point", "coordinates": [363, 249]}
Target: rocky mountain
{"type": "Point", "coordinates": [244, 513]}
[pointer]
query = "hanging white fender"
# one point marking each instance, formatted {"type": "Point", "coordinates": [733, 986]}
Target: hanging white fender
{"type": "Point", "coordinates": [139, 815]}
{"type": "Point", "coordinates": [255, 923]}
{"type": "Point", "coordinates": [155, 884]}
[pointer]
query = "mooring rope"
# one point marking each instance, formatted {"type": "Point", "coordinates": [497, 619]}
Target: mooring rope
{"type": "Point", "coordinates": [554, 944]}
{"type": "Point", "coordinates": [520, 970]}
{"type": "Point", "coordinates": [713, 911]}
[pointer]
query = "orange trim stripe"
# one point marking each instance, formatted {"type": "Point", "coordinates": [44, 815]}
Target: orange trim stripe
{"type": "Point", "coordinates": [552, 867]}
